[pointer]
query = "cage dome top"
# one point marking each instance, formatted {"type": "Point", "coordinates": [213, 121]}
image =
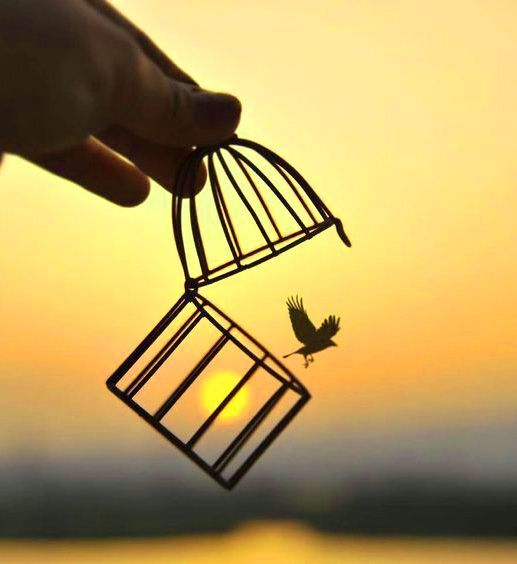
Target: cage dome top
{"type": "Point", "coordinates": [255, 206]}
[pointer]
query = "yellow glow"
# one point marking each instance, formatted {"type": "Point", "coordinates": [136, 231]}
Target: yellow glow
{"type": "Point", "coordinates": [402, 115]}
{"type": "Point", "coordinates": [214, 390]}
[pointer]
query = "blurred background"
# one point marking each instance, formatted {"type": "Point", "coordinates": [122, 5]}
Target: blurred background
{"type": "Point", "coordinates": [402, 116]}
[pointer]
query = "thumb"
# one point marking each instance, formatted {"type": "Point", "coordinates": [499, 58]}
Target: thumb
{"type": "Point", "coordinates": [166, 111]}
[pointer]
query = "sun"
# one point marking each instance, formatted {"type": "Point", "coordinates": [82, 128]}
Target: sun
{"type": "Point", "coordinates": [215, 388]}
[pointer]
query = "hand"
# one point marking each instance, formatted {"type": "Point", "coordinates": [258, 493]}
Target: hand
{"type": "Point", "coordinates": [81, 85]}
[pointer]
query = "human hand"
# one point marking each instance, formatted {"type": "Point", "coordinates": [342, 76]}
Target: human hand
{"type": "Point", "coordinates": [82, 86]}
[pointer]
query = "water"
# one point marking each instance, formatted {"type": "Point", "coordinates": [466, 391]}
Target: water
{"type": "Point", "coordinates": [262, 543]}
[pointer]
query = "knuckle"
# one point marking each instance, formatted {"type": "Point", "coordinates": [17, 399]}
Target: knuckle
{"type": "Point", "coordinates": [177, 114]}
{"type": "Point", "coordinates": [172, 103]}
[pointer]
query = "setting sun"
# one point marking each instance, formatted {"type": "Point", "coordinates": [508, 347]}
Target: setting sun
{"type": "Point", "coordinates": [214, 390]}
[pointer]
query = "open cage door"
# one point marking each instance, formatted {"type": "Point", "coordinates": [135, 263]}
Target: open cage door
{"type": "Point", "coordinates": [255, 207]}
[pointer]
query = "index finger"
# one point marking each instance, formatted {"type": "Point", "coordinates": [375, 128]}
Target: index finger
{"type": "Point", "coordinates": [165, 111]}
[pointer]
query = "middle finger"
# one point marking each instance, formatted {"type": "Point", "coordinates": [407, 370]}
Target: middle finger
{"type": "Point", "coordinates": [159, 162]}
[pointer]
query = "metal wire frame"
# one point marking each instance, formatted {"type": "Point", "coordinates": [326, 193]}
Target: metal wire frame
{"type": "Point", "coordinates": [287, 382]}
{"type": "Point", "coordinates": [320, 216]}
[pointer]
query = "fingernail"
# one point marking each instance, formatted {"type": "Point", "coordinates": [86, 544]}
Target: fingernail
{"type": "Point", "coordinates": [216, 109]}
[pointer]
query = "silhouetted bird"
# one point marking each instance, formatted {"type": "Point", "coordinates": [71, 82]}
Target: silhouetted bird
{"type": "Point", "coordinates": [315, 340]}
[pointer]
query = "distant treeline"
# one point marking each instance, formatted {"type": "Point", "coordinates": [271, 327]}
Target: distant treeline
{"type": "Point", "coordinates": [401, 508]}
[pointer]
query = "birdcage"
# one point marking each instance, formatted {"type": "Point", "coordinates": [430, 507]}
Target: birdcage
{"type": "Point", "coordinates": [162, 379]}
{"type": "Point", "coordinates": [255, 207]}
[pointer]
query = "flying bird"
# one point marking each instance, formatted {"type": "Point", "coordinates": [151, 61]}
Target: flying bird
{"type": "Point", "coordinates": [314, 340]}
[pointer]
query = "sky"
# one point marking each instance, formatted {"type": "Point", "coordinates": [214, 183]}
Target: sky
{"type": "Point", "coordinates": [402, 117]}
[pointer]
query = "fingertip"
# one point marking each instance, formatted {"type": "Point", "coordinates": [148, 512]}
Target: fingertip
{"type": "Point", "coordinates": [95, 167]}
{"type": "Point", "coordinates": [136, 193]}
{"type": "Point", "coordinates": [217, 112]}
{"type": "Point", "coordinates": [191, 184]}
{"type": "Point", "coordinates": [116, 180]}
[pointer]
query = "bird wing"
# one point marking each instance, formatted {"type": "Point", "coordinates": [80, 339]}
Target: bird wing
{"type": "Point", "coordinates": [303, 327]}
{"type": "Point", "coordinates": [329, 328]}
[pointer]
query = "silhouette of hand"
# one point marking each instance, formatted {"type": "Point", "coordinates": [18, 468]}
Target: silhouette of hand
{"type": "Point", "coordinates": [82, 86]}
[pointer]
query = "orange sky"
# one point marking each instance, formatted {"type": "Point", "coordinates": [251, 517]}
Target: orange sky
{"type": "Point", "coordinates": [402, 116]}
